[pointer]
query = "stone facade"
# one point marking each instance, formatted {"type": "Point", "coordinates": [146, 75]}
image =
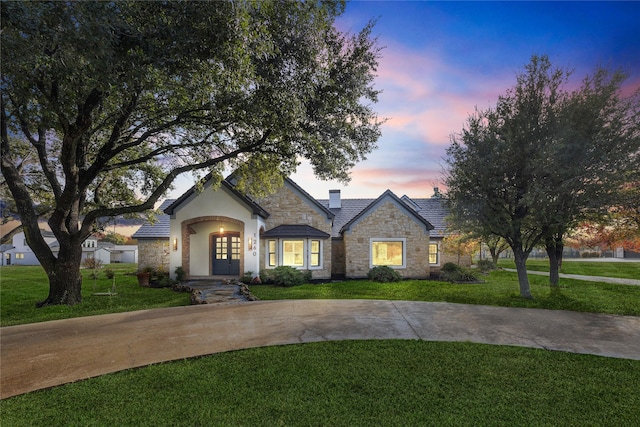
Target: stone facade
{"type": "Point", "coordinates": [153, 254]}
{"type": "Point", "coordinates": [288, 207]}
{"type": "Point", "coordinates": [387, 222]}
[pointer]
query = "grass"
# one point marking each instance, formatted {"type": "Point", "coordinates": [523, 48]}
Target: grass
{"type": "Point", "coordinates": [623, 270]}
{"type": "Point", "coordinates": [500, 289]}
{"type": "Point", "coordinates": [23, 286]}
{"type": "Point", "coordinates": [351, 383]}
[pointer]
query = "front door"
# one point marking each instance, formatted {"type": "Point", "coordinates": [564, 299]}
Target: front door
{"type": "Point", "coordinates": [226, 254]}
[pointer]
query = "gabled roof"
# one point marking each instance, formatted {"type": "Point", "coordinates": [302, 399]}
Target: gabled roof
{"type": "Point", "coordinates": [313, 200]}
{"type": "Point", "coordinates": [159, 229]}
{"type": "Point", "coordinates": [435, 211]}
{"type": "Point", "coordinates": [296, 230]}
{"type": "Point", "coordinates": [255, 208]}
{"type": "Point", "coordinates": [348, 210]}
{"type": "Point", "coordinates": [387, 196]}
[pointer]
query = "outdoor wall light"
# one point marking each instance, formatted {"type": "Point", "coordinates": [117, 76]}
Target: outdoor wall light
{"type": "Point", "coordinates": [250, 243]}
{"type": "Point", "coordinates": [175, 243]}
{"type": "Point", "coordinates": [221, 229]}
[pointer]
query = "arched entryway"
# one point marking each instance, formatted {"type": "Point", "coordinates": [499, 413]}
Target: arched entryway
{"type": "Point", "coordinates": [212, 246]}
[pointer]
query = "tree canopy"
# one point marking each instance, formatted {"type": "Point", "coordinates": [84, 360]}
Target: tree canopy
{"type": "Point", "coordinates": [115, 100]}
{"type": "Point", "coordinates": [530, 168]}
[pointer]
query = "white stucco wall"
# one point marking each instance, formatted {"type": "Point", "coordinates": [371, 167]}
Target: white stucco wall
{"type": "Point", "coordinates": [217, 209]}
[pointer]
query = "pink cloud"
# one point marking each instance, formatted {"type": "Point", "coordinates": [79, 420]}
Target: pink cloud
{"type": "Point", "coordinates": [427, 99]}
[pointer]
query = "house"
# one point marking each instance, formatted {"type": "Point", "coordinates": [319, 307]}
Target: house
{"type": "Point", "coordinates": [219, 232]}
{"type": "Point", "coordinates": [21, 254]}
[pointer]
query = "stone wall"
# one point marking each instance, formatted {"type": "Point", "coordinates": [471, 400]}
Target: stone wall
{"type": "Point", "coordinates": [387, 221]}
{"type": "Point", "coordinates": [286, 207]}
{"type": "Point", "coordinates": [154, 254]}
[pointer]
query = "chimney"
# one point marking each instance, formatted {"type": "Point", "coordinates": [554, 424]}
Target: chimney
{"type": "Point", "coordinates": [436, 193]}
{"type": "Point", "coordinates": [334, 199]}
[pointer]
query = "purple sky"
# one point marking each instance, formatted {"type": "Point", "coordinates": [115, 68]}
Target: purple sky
{"type": "Point", "coordinates": [442, 59]}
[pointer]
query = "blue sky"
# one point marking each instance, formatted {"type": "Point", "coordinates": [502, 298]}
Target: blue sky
{"type": "Point", "coordinates": [442, 59]}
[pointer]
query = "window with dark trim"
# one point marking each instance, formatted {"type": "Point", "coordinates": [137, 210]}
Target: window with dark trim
{"type": "Point", "coordinates": [314, 253]}
{"type": "Point", "coordinates": [434, 255]}
{"type": "Point", "coordinates": [272, 256]}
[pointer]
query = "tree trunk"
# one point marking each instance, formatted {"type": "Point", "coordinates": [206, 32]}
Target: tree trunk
{"type": "Point", "coordinates": [65, 279]}
{"type": "Point", "coordinates": [494, 255]}
{"type": "Point", "coordinates": [521, 267]}
{"type": "Point", "coordinates": [554, 248]}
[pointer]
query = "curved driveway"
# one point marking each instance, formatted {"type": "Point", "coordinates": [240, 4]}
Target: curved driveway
{"type": "Point", "coordinates": [42, 355]}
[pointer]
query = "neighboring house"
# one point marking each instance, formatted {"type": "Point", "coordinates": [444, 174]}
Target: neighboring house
{"type": "Point", "coordinates": [222, 233]}
{"type": "Point", "coordinates": [21, 254]}
{"type": "Point", "coordinates": [5, 254]}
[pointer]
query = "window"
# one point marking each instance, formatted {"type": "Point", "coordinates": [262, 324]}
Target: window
{"type": "Point", "coordinates": [272, 259]}
{"type": "Point", "coordinates": [19, 256]}
{"type": "Point", "coordinates": [235, 247]}
{"type": "Point", "coordinates": [389, 252]}
{"type": "Point", "coordinates": [299, 253]}
{"type": "Point", "coordinates": [433, 254]}
{"type": "Point", "coordinates": [293, 253]}
{"type": "Point", "coordinates": [314, 251]}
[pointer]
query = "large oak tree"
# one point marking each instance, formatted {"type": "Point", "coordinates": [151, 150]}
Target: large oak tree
{"type": "Point", "coordinates": [117, 99]}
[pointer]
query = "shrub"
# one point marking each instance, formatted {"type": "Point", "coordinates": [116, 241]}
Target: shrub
{"type": "Point", "coordinates": [454, 273]}
{"type": "Point", "coordinates": [181, 275]}
{"type": "Point", "coordinates": [450, 267]}
{"type": "Point", "coordinates": [92, 263]}
{"type": "Point", "coordinates": [589, 255]}
{"type": "Point", "coordinates": [247, 278]}
{"type": "Point", "coordinates": [485, 265]}
{"type": "Point", "coordinates": [286, 276]}
{"type": "Point", "coordinates": [384, 274]}
{"type": "Point", "coordinates": [109, 273]}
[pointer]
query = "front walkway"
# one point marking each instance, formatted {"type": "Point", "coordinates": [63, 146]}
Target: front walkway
{"type": "Point", "coordinates": [602, 279]}
{"type": "Point", "coordinates": [41, 355]}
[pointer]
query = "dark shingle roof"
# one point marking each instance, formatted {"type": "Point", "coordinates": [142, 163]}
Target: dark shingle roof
{"type": "Point", "coordinates": [159, 229]}
{"type": "Point", "coordinates": [350, 208]}
{"type": "Point", "coordinates": [435, 211]}
{"type": "Point", "coordinates": [296, 230]}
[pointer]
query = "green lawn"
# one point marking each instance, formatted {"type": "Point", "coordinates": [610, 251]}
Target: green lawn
{"type": "Point", "coordinates": [351, 383]}
{"type": "Point", "coordinates": [500, 289]}
{"type": "Point", "coordinates": [21, 287]}
{"type": "Point", "coordinates": [623, 270]}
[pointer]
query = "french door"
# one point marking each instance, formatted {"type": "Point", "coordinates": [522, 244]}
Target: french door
{"type": "Point", "coordinates": [226, 254]}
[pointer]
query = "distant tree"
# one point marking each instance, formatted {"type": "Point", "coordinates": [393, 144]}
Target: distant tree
{"type": "Point", "coordinates": [460, 245]}
{"type": "Point", "coordinates": [115, 100]}
{"type": "Point", "coordinates": [496, 245]}
{"type": "Point", "coordinates": [115, 238]}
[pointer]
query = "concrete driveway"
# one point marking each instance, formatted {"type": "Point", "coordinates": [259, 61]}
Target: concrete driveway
{"type": "Point", "coordinates": [47, 354]}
